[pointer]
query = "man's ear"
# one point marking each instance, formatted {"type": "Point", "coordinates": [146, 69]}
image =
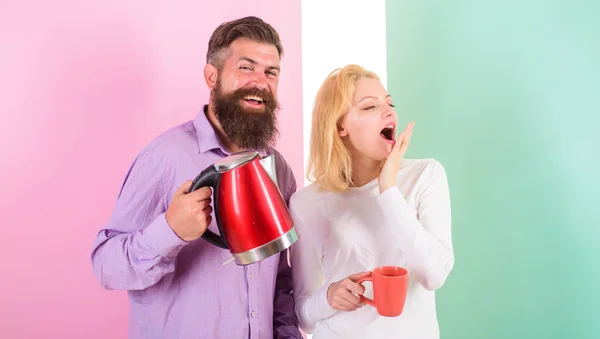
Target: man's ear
{"type": "Point", "coordinates": [211, 74]}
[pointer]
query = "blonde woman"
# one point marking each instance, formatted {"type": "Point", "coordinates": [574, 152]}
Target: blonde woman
{"type": "Point", "coordinates": [367, 207]}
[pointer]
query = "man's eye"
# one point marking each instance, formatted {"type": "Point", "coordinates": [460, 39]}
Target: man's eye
{"type": "Point", "coordinates": [272, 73]}
{"type": "Point", "coordinates": [248, 68]}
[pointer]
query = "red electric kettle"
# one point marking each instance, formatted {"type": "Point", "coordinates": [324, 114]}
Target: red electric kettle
{"type": "Point", "coordinates": [253, 219]}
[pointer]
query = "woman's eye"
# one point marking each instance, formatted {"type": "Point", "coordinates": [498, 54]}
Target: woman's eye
{"type": "Point", "coordinates": [368, 108]}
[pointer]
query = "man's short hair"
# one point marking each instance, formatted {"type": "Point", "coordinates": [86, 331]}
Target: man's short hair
{"type": "Point", "coordinates": [250, 27]}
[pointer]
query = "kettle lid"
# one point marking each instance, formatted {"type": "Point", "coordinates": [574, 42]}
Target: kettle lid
{"type": "Point", "coordinates": [234, 160]}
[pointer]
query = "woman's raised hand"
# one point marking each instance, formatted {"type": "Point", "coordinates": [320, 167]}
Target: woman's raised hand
{"type": "Point", "coordinates": [387, 177]}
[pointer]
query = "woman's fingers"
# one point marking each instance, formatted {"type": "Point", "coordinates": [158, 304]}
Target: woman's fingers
{"type": "Point", "coordinates": [344, 300]}
{"type": "Point", "coordinates": [356, 301]}
{"type": "Point", "coordinates": [399, 142]}
{"type": "Point", "coordinates": [340, 303]}
{"type": "Point", "coordinates": [406, 139]}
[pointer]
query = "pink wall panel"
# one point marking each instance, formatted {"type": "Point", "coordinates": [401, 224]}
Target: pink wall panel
{"type": "Point", "coordinates": [82, 88]}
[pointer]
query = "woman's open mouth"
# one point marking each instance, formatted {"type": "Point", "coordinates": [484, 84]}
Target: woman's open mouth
{"type": "Point", "coordinates": [388, 133]}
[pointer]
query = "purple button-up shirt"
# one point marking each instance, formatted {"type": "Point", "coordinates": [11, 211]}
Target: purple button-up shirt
{"type": "Point", "coordinates": [178, 289]}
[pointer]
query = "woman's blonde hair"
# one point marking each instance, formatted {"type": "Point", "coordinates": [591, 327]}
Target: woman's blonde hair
{"type": "Point", "coordinates": [329, 163]}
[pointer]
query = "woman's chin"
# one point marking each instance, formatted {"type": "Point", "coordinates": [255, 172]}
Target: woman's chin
{"type": "Point", "coordinates": [375, 154]}
{"type": "Point", "coordinates": [387, 152]}
{"type": "Point", "coordinates": [380, 157]}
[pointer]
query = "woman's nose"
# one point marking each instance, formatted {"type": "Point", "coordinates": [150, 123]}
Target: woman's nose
{"type": "Point", "coordinates": [387, 111]}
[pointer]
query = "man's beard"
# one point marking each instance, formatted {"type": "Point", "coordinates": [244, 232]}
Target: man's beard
{"type": "Point", "coordinates": [252, 129]}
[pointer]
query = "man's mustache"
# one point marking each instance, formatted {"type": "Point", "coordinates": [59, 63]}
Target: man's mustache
{"type": "Point", "coordinates": [264, 94]}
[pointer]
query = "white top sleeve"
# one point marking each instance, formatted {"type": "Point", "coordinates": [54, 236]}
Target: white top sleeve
{"type": "Point", "coordinates": [310, 290]}
{"type": "Point", "coordinates": [424, 234]}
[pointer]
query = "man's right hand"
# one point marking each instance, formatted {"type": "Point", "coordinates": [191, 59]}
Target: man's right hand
{"type": "Point", "coordinates": [341, 295]}
{"type": "Point", "coordinates": [188, 215]}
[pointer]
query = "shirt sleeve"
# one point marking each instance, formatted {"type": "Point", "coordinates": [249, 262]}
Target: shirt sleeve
{"type": "Point", "coordinates": [137, 247]}
{"type": "Point", "coordinates": [424, 233]}
{"type": "Point", "coordinates": [310, 290]}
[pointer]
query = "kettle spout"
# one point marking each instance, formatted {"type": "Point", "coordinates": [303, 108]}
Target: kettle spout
{"type": "Point", "coordinates": [268, 164]}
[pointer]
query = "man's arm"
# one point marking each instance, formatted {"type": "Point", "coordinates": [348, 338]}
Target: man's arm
{"type": "Point", "coordinates": [137, 247]}
{"type": "Point", "coordinates": [285, 321]}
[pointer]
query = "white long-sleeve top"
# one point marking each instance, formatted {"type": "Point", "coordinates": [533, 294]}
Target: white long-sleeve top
{"type": "Point", "coordinates": [408, 225]}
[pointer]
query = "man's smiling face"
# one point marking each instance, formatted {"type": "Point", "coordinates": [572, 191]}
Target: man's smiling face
{"type": "Point", "coordinates": [245, 94]}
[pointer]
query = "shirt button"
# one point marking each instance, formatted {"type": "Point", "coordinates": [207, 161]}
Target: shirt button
{"type": "Point", "coordinates": [253, 314]}
{"type": "Point", "coordinates": [251, 275]}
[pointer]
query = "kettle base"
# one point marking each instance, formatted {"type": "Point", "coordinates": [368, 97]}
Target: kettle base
{"type": "Point", "coordinates": [264, 251]}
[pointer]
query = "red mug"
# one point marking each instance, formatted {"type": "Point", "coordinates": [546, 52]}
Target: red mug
{"type": "Point", "coordinates": [390, 285]}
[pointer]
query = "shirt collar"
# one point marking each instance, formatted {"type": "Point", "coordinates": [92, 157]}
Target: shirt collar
{"type": "Point", "coordinates": [207, 137]}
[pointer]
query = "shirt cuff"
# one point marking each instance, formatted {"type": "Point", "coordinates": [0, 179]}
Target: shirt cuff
{"type": "Point", "coordinates": [162, 239]}
{"type": "Point", "coordinates": [392, 196]}
{"type": "Point", "coordinates": [324, 310]}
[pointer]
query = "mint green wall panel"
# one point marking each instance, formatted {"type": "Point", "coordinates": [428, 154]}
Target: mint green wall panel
{"type": "Point", "coordinates": [506, 94]}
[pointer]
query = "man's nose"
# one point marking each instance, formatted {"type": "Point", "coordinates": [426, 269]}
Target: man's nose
{"type": "Point", "coordinates": [259, 80]}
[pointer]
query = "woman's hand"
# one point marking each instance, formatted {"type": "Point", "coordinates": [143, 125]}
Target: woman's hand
{"type": "Point", "coordinates": [340, 294]}
{"type": "Point", "coordinates": [390, 169]}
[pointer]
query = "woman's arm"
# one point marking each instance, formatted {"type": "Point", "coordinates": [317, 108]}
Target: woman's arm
{"type": "Point", "coordinates": [424, 234]}
{"type": "Point", "coordinates": [309, 288]}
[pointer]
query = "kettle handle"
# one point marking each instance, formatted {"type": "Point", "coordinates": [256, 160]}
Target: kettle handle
{"type": "Point", "coordinates": [210, 177]}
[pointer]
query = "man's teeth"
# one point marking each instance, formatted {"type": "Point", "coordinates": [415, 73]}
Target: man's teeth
{"type": "Point", "coordinates": [252, 97]}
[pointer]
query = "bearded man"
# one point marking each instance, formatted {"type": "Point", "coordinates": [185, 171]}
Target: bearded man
{"type": "Point", "coordinates": [151, 247]}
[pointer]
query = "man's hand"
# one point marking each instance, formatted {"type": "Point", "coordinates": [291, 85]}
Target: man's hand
{"type": "Point", "coordinates": [340, 294]}
{"type": "Point", "coordinates": [390, 169]}
{"type": "Point", "coordinates": [188, 215]}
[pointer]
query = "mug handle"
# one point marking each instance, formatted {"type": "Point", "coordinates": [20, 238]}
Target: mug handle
{"type": "Point", "coordinates": [362, 297]}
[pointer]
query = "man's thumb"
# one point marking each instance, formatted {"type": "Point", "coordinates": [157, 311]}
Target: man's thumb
{"type": "Point", "coordinates": [185, 188]}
